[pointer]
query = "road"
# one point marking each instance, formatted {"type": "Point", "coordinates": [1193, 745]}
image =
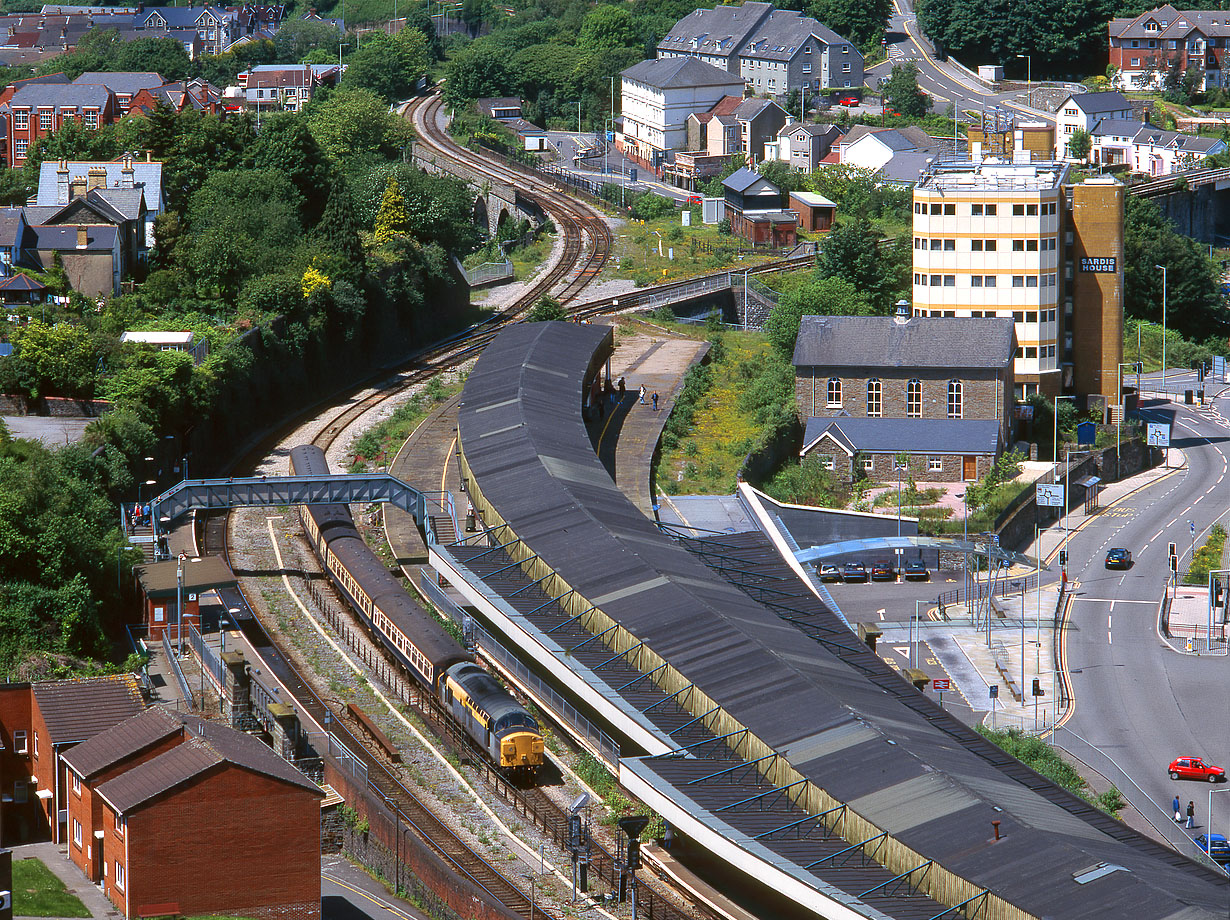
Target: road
{"type": "Point", "coordinates": [941, 81]}
{"type": "Point", "coordinates": [1136, 700]}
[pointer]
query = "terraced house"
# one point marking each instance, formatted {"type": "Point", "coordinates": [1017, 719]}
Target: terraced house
{"type": "Point", "coordinates": [39, 109]}
{"type": "Point", "coordinates": [774, 51]}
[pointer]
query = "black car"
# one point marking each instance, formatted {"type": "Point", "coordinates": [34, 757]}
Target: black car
{"type": "Point", "coordinates": [916, 569]}
{"type": "Point", "coordinates": [1119, 558]}
{"type": "Point", "coordinates": [882, 571]}
{"type": "Point", "coordinates": [855, 571]}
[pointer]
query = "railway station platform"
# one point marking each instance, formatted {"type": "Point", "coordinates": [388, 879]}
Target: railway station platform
{"type": "Point", "coordinates": [751, 717]}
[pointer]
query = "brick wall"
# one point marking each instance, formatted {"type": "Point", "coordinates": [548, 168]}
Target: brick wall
{"type": "Point", "coordinates": [54, 406]}
{"type": "Point", "coordinates": [262, 857]}
{"type": "Point", "coordinates": [19, 823]}
{"type": "Point", "coordinates": [883, 466]}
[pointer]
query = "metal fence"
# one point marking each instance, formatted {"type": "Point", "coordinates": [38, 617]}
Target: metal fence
{"type": "Point", "coordinates": [207, 656]}
{"type": "Point", "coordinates": [606, 746]}
{"type": "Point", "coordinates": [173, 660]}
{"type": "Point", "coordinates": [980, 590]}
{"type": "Point", "coordinates": [488, 272]}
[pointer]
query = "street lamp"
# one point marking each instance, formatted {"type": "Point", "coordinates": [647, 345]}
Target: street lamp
{"type": "Point", "coordinates": [1163, 268]}
{"type": "Point", "coordinates": [899, 468]}
{"type": "Point", "coordinates": [1119, 417]}
{"type": "Point", "coordinates": [1029, 76]}
{"type": "Point", "coordinates": [964, 496]}
{"type": "Point", "coordinates": [179, 605]}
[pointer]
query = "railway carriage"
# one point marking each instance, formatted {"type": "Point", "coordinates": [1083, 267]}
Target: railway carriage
{"type": "Point", "coordinates": [487, 712]}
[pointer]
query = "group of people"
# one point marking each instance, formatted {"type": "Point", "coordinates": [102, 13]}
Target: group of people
{"type": "Point", "coordinates": [139, 516]}
{"type": "Point", "coordinates": [1191, 812]}
{"type": "Point", "coordinates": [600, 392]}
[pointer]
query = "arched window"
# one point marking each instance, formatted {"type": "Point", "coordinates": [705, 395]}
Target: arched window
{"type": "Point", "coordinates": [954, 399]}
{"type": "Point", "coordinates": [874, 404]}
{"type": "Point", "coordinates": [913, 399]}
{"type": "Point", "coordinates": [834, 393]}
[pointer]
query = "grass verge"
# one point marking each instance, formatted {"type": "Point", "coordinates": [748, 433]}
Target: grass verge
{"type": "Point", "coordinates": [1207, 558]}
{"type": "Point", "coordinates": [377, 446]}
{"type": "Point", "coordinates": [38, 893]}
{"type": "Point", "coordinates": [1041, 758]}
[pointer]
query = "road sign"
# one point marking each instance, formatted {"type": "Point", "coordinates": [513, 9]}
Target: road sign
{"type": "Point", "coordinates": [1050, 494]}
{"type": "Point", "coordinates": [1157, 434]}
{"type": "Point", "coordinates": [1191, 527]}
{"type": "Point", "coordinates": [994, 688]}
{"type": "Point", "coordinates": [941, 683]}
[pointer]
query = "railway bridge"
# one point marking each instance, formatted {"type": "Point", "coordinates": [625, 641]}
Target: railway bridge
{"type": "Point", "coordinates": [496, 202]}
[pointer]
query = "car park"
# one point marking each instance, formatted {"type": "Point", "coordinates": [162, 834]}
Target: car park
{"type": "Point", "coordinates": [855, 571]}
{"type": "Point", "coordinates": [1188, 767]}
{"type": "Point", "coordinates": [830, 573]}
{"type": "Point", "coordinates": [1119, 558]}
{"type": "Point", "coordinates": [882, 570]}
{"type": "Point", "coordinates": [916, 570]}
{"type": "Point", "coordinates": [1215, 845]}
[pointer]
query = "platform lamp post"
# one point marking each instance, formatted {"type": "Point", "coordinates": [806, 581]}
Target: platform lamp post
{"type": "Point", "coordinates": [179, 605]}
{"type": "Point", "coordinates": [1163, 268]}
{"type": "Point", "coordinates": [1029, 76]}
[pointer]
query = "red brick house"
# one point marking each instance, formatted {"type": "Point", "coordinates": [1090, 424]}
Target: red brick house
{"type": "Point", "coordinates": [38, 109]}
{"type": "Point", "coordinates": [146, 795]}
{"type": "Point", "coordinates": [38, 723]}
{"type": "Point", "coordinates": [1143, 48]}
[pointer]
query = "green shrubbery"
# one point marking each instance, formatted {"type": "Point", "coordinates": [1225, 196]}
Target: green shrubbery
{"type": "Point", "coordinates": [1207, 558]}
{"type": "Point", "coordinates": [1042, 758]}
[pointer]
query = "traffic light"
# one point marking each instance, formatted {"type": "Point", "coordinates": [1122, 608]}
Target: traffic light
{"type": "Point", "coordinates": [1063, 557]}
{"type": "Point", "coordinates": [1172, 549]}
{"type": "Point", "coordinates": [1037, 687]}
{"type": "Point", "coordinates": [634, 854]}
{"type": "Point", "coordinates": [1174, 563]}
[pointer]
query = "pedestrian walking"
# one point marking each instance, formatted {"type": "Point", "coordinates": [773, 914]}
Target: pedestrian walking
{"type": "Point", "coordinates": [655, 401]}
{"type": "Point", "coordinates": [622, 389]}
{"type": "Point", "coordinates": [642, 394]}
{"type": "Point", "coordinates": [1178, 810]}
{"type": "Point", "coordinates": [1191, 814]}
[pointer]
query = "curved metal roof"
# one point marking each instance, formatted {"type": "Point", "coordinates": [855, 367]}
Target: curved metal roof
{"type": "Point", "coordinates": [831, 708]}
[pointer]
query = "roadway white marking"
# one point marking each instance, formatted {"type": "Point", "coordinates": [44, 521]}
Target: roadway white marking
{"type": "Point", "coordinates": [1172, 522]}
{"type": "Point", "coordinates": [1108, 619]}
{"type": "Point", "coordinates": [902, 650]}
{"type": "Point", "coordinates": [1111, 600]}
{"type": "Point", "coordinates": [881, 612]}
{"type": "Point", "coordinates": [1155, 536]}
{"type": "Point", "coordinates": [1145, 547]}
{"type": "Point", "coordinates": [1198, 501]}
{"type": "Point", "coordinates": [1112, 610]}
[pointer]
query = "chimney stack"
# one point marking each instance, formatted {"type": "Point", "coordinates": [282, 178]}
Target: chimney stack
{"type": "Point", "coordinates": [62, 182]}
{"type": "Point", "coordinates": [126, 174]}
{"type": "Point", "coordinates": [82, 238]}
{"type": "Point", "coordinates": [76, 187]}
{"type": "Point", "coordinates": [97, 178]}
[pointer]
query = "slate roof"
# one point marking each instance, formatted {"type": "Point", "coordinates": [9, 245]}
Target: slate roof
{"type": "Point", "coordinates": [1092, 103]}
{"type": "Point", "coordinates": [10, 225]}
{"type": "Point", "coordinates": [1117, 127]}
{"type": "Point", "coordinates": [743, 179]}
{"type": "Point", "coordinates": [754, 30]}
{"type": "Point", "coordinates": [799, 127]}
{"type": "Point", "coordinates": [679, 73]}
{"type": "Point", "coordinates": [207, 745]}
{"type": "Point", "coordinates": [99, 238]}
{"type": "Point", "coordinates": [924, 341]}
{"type": "Point", "coordinates": [1179, 23]}
{"type": "Point", "coordinates": [1159, 137]}
{"type": "Point", "coordinates": [127, 84]}
{"type": "Point", "coordinates": [90, 95]}
{"type": "Point", "coordinates": [750, 108]}
{"type": "Point", "coordinates": [78, 709]}
{"type": "Point", "coordinates": [122, 741]}
{"type": "Point", "coordinates": [908, 166]}
{"type": "Point", "coordinates": [160, 579]}
{"type": "Point", "coordinates": [916, 435]}
{"type": "Point", "coordinates": [21, 283]}
{"type": "Point", "coordinates": [782, 35]}
{"type": "Point", "coordinates": [146, 176]}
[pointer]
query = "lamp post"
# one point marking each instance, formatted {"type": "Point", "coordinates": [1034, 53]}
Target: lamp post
{"type": "Point", "coordinates": [1119, 417]}
{"type": "Point", "coordinates": [1163, 268]}
{"type": "Point", "coordinates": [899, 468]}
{"type": "Point", "coordinates": [179, 605]}
{"type": "Point", "coordinates": [1029, 76]}
{"type": "Point", "coordinates": [964, 496]}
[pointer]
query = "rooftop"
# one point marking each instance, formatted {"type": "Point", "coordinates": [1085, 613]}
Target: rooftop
{"type": "Point", "coordinates": [922, 341]}
{"type": "Point", "coordinates": [679, 73]}
{"type": "Point", "coordinates": [78, 709]}
{"type": "Point", "coordinates": [990, 176]}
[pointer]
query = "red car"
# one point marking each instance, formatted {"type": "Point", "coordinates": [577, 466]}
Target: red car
{"type": "Point", "coordinates": [848, 100]}
{"type": "Point", "coordinates": [1187, 767]}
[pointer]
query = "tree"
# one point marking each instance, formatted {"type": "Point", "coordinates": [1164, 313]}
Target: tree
{"type": "Point", "coordinates": [286, 144]}
{"type": "Point", "coordinates": [780, 174]}
{"type": "Point", "coordinates": [353, 126]}
{"type": "Point", "coordinates": [297, 38]}
{"type": "Point", "coordinates": [1196, 306]}
{"type": "Point", "coordinates": [1079, 144]}
{"type": "Point", "coordinates": [609, 26]}
{"type": "Point", "coordinates": [860, 21]}
{"type": "Point", "coordinates": [476, 73]}
{"type": "Point", "coordinates": [389, 66]}
{"type": "Point", "coordinates": [338, 228]}
{"type": "Point", "coordinates": [438, 209]}
{"type": "Point", "coordinates": [547, 309]}
{"type": "Point", "coordinates": [391, 218]}
{"type": "Point", "coordinates": [814, 296]}
{"type": "Point", "coordinates": [901, 91]}
{"type": "Point", "coordinates": [852, 251]}
{"type": "Point", "coordinates": [52, 360]}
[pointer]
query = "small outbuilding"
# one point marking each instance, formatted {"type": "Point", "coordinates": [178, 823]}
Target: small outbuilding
{"type": "Point", "coordinates": [161, 588]}
{"type": "Point", "coordinates": [816, 213]}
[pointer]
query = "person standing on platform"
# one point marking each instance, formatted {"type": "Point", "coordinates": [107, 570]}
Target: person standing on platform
{"type": "Point", "coordinates": [642, 394]}
{"type": "Point", "coordinates": [655, 401]}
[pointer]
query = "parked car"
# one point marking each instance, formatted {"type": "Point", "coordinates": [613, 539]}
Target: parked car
{"type": "Point", "coordinates": [889, 110]}
{"type": "Point", "coordinates": [694, 199]}
{"type": "Point", "coordinates": [1119, 558]}
{"type": "Point", "coordinates": [1188, 767]}
{"type": "Point", "coordinates": [855, 571]}
{"type": "Point", "coordinates": [848, 101]}
{"type": "Point", "coordinates": [882, 570]}
{"type": "Point", "coordinates": [1215, 845]}
{"type": "Point", "coordinates": [830, 573]}
{"type": "Point", "coordinates": [916, 569]}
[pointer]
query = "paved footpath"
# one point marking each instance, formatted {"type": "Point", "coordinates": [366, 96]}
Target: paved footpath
{"type": "Point", "coordinates": [55, 858]}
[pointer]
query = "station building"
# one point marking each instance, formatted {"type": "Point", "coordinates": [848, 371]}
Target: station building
{"type": "Point", "coordinates": [1018, 240]}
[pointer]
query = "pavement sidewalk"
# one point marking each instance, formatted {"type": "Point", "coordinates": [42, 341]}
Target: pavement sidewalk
{"type": "Point", "coordinates": [54, 858]}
